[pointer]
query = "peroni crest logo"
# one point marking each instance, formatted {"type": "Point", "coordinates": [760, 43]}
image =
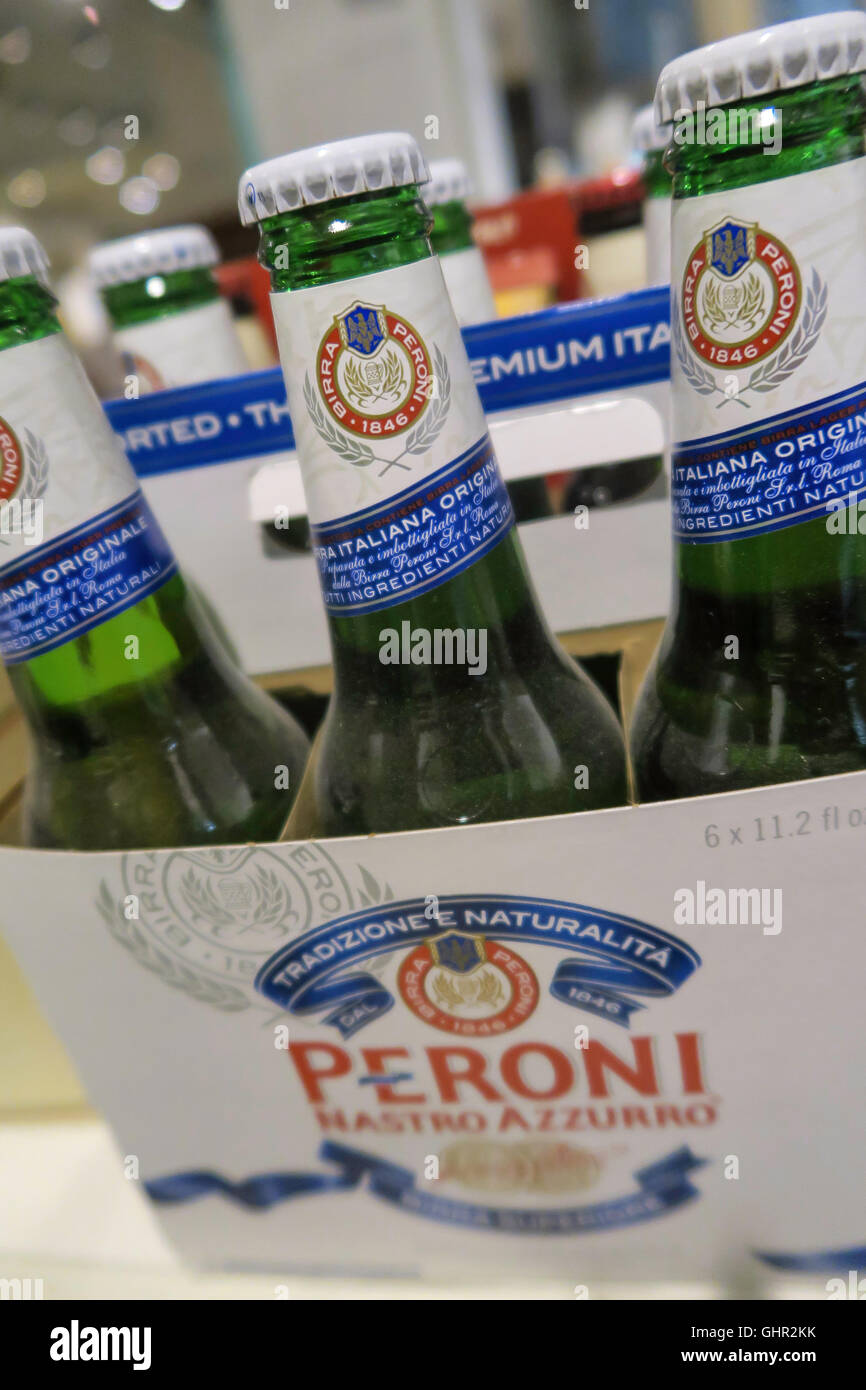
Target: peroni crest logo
{"type": "Point", "coordinates": [464, 984]}
{"type": "Point", "coordinates": [741, 294]}
{"type": "Point", "coordinates": [373, 371]}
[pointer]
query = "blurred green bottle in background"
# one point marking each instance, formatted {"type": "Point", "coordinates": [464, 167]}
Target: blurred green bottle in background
{"type": "Point", "coordinates": [170, 322]}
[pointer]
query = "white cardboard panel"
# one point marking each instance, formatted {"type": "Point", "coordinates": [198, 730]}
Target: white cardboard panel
{"type": "Point", "coordinates": [177, 1047]}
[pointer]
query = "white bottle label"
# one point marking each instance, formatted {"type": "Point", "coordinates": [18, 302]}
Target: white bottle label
{"type": "Point", "coordinates": [768, 356]}
{"type": "Point", "coordinates": [468, 286]}
{"type": "Point", "coordinates": [195, 345]}
{"type": "Point", "coordinates": [78, 541]}
{"type": "Point", "coordinates": [403, 490]}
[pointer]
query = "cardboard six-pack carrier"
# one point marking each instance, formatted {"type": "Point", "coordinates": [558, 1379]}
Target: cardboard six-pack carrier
{"type": "Point", "coordinates": [511, 1048]}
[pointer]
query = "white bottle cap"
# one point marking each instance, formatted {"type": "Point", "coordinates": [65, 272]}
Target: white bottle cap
{"type": "Point", "coordinates": [763, 61]}
{"type": "Point", "coordinates": [365, 164]}
{"type": "Point", "coordinates": [152, 253]}
{"type": "Point", "coordinates": [21, 254]}
{"type": "Point", "coordinates": [448, 182]}
{"type": "Point", "coordinates": [646, 133]}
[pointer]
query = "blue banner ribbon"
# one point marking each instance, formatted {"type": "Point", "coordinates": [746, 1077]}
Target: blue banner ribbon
{"type": "Point", "coordinates": [586, 987]}
{"type": "Point", "coordinates": [615, 956]}
{"type": "Point", "coordinates": [661, 1187]}
{"type": "Point", "coordinates": [568, 350]}
{"type": "Point", "coordinates": [818, 1261]}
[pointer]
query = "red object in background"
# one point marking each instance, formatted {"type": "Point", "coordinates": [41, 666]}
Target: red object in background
{"type": "Point", "coordinates": [542, 219]}
{"type": "Point", "coordinates": [514, 270]}
{"type": "Point", "coordinates": [618, 191]}
{"type": "Point", "coordinates": [547, 223]}
{"type": "Point", "coordinates": [247, 280]}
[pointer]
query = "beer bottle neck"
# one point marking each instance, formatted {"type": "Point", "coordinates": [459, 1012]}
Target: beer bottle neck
{"type": "Point", "coordinates": [27, 312]}
{"type": "Point", "coordinates": [155, 296]}
{"type": "Point", "coordinates": [804, 129]}
{"type": "Point", "coordinates": [657, 180]}
{"type": "Point", "coordinates": [322, 244]}
{"type": "Point", "coordinates": [452, 228]}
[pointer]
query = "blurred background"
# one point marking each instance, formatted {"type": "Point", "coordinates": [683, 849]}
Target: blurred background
{"type": "Point", "coordinates": [128, 114]}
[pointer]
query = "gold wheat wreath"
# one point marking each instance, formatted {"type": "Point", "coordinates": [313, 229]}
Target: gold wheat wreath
{"type": "Point", "coordinates": [750, 306]}
{"type": "Point", "coordinates": [489, 992]}
{"type": "Point", "coordinates": [394, 379]}
{"type": "Point", "coordinates": [771, 373]}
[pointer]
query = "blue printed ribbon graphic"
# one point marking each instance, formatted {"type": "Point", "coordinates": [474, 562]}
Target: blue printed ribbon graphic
{"type": "Point", "coordinates": [661, 1187]}
{"type": "Point", "coordinates": [615, 957]}
{"type": "Point", "coordinates": [818, 1261]}
{"type": "Point", "coordinates": [771, 473]}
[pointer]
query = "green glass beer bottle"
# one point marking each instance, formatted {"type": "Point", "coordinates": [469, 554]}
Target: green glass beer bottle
{"type": "Point", "coordinates": [170, 322]}
{"type": "Point", "coordinates": [463, 267]}
{"type": "Point", "coordinates": [761, 672]}
{"type": "Point", "coordinates": [452, 702]}
{"type": "Point", "coordinates": [143, 733]}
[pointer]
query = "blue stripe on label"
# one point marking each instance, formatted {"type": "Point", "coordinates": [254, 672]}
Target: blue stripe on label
{"type": "Point", "coordinates": [771, 474]}
{"type": "Point", "coordinates": [61, 590]}
{"type": "Point", "coordinates": [418, 539]}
